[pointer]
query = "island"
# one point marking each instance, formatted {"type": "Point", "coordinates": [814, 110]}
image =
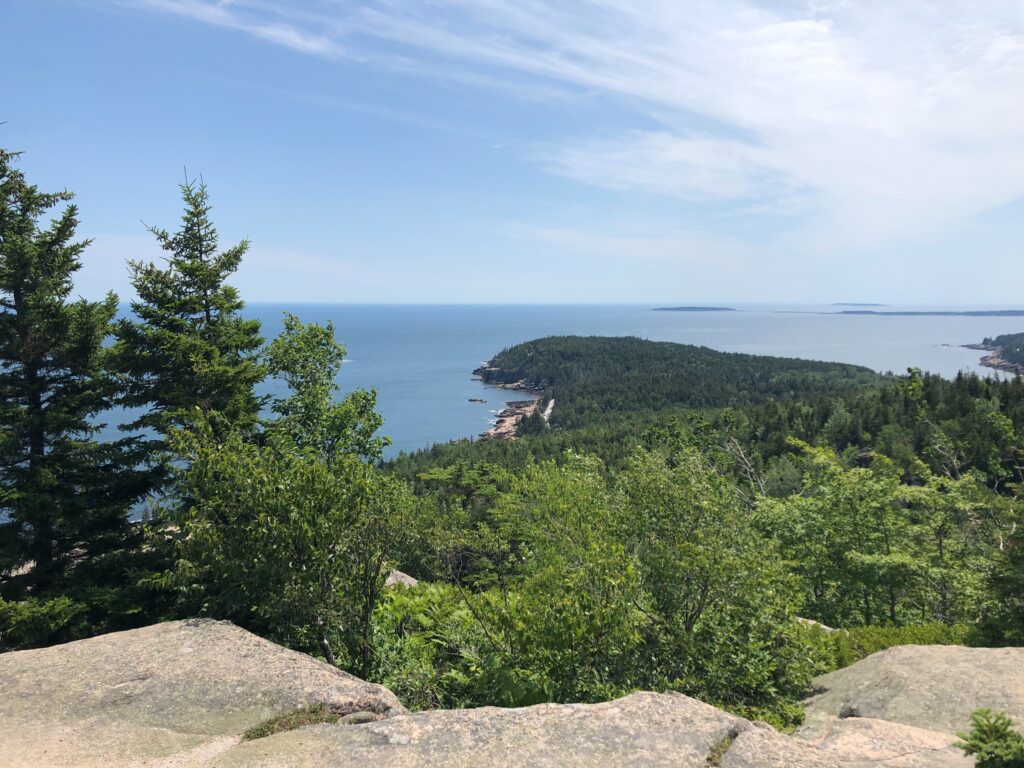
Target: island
{"type": "Point", "coordinates": [857, 304]}
{"type": "Point", "coordinates": [1005, 352]}
{"type": "Point", "coordinates": [935, 313]}
{"type": "Point", "coordinates": [694, 309]}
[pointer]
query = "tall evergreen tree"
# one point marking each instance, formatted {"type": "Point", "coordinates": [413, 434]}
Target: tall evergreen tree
{"type": "Point", "coordinates": [64, 497]}
{"type": "Point", "coordinates": [188, 353]}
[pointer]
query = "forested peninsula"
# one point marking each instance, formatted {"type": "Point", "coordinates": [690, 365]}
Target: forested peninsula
{"type": "Point", "coordinates": [719, 525]}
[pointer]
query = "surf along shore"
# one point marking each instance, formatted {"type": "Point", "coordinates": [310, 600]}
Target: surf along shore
{"type": "Point", "coordinates": [506, 423]}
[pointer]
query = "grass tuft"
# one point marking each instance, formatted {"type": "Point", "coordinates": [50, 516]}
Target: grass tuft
{"type": "Point", "coordinates": [311, 714]}
{"type": "Point", "coordinates": [718, 751]}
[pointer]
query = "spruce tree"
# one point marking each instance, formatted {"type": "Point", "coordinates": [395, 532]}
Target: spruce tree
{"type": "Point", "coordinates": [188, 355]}
{"type": "Point", "coordinates": [64, 496]}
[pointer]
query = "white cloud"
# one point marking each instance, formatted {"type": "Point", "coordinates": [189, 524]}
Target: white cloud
{"type": "Point", "coordinates": [882, 121]}
{"type": "Point", "coordinates": [689, 167]}
{"type": "Point", "coordinates": [245, 17]}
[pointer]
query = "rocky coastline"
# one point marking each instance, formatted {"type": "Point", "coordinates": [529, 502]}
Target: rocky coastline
{"type": "Point", "coordinates": [994, 359]}
{"type": "Point", "coordinates": [506, 423]}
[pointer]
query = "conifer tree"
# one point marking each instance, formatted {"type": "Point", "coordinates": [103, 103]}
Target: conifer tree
{"type": "Point", "coordinates": [64, 496]}
{"type": "Point", "coordinates": [188, 354]}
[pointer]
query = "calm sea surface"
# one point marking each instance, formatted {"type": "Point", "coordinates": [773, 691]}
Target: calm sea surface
{"type": "Point", "coordinates": [421, 358]}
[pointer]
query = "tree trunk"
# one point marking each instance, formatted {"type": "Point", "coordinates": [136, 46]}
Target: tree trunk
{"type": "Point", "coordinates": [328, 653]}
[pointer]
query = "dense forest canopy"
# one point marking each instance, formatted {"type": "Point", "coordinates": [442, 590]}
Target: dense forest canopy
{"type": "Point", "coordinates": [593, 375]}
{"type": "Point", "coordinates": [671, 527]}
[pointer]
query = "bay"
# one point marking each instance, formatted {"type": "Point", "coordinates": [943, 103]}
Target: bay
{"type": "Point", "coordinates": [420, 358]}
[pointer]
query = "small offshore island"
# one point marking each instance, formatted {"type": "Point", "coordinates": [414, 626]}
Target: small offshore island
{"type": "Point", "coordinates": [694, 309]}
{"type": "Point", "coordinates": [935, 313]}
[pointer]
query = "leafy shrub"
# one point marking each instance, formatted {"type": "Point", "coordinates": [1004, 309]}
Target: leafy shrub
{"type": "Point", "coordinates": [427, 647]}
{"type": "Point", "coordinates": [34, 623]}
{"type": "Point", "coordinates": [852, 645]}
{"type": "Point", "coordinates": [992, 741]}
{"type": "Point", "coordinates": [584, 589]}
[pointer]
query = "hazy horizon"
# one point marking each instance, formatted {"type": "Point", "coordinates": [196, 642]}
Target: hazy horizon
{"type": "Point", "coordinates": [489, 151]}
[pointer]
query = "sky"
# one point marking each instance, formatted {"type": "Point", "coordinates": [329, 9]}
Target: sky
{"type": "Point", "coordinates": [477, 151]}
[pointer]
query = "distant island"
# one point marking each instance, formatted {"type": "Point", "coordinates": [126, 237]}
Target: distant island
{"type": "Point", "coordinates": [1006, 352]}
{"type": "Point", "coordinates": [936, 313]}
{"type": "Point", "coordinates": [857, 304]}
{"type": "Point", "coordinates": [694, 309]}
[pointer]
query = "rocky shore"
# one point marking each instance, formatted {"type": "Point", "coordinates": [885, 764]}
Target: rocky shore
{"type": "Point", "coordinates": [507, 421]}
{"type": "Point", "coordinates": [994, 359]}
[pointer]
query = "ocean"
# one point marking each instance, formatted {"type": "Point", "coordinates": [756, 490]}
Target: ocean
{"type": "Point", "coordinates": [420, 358]}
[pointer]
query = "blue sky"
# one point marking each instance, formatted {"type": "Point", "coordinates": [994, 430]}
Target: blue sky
{"type": "Point", "coordinates": [524, 151]}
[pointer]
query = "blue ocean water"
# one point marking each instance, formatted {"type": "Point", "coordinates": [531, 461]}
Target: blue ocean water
{"type": "Point", "coordinates": [421, 357]}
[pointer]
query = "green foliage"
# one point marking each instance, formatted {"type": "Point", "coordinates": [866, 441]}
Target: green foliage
{"type": "Point", "coordinates": [870, 549]}
{"type": "Point", "coordinates": [992, 741]}
{"type": "Point", "coordinates": [64, 496]}
{"type": "Point", "coordinates": [188, 354]}
{"type": "Point", "coordinates": [722, 603]}
{"type": "Point", "coordinates": [590, 376]}
{"type": "Point", "coordinates": [1007, 583]}
{"type": "Point", "coordinates": [663, 532]}
{"type": "Point", "coordinates": [723, 505]}
{"type": "Point", "coordinates": [429, 649]}
{"type": "Point", "coordinates": [308, 359]}
{"type": "Point", "coordinates": [567, 621]}
{"type": "Point", "coordinates": [851, 645]}
{"type": "Point", "coordinates": [576, 586]}
{"type": "Point", "coordinates": [292, 535]}
{"type": "Point", "coordinates": [278, 541]}
{"type": "Point", "coordinates": [969, 423]}
{"type": "Point", "coordinates": [33, 623]}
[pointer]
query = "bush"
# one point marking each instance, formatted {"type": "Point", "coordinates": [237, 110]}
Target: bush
{"type": "Point", "coordinates": [427, 647]}
{"type": "Point", "coordinates": [34, 623]}
{"type": "Point", "coordinates": [852, 645]}
{"type": "Point", "coordinates": [583, 590]}
{"type": "Point", "coordinates": [992, 741]}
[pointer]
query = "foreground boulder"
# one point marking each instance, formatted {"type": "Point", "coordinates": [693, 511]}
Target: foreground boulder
{"type": "Point", "coordinates": [181, 694]}
{"type": "Point", "coordinates": [845, 743]}
{"type": "Point", "coordinates": [643, 729]}
{"type": "Point", "coordinates": [184, 690]}
{"type": "Point", "coordinates": [646, 729]}
{"type": "Point", "coordinates": [928, 686]}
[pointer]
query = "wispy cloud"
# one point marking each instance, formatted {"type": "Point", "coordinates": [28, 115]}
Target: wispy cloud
{"type": "Point", "coordinates": [885, 120]}
{"type": "Point", "coordinates": [261, 20]}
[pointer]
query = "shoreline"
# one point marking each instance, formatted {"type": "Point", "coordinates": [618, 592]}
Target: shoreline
{"type": "Point", "coordinates": [994, 359]}
{"type": "Point", "coordinates": [506, 423]}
